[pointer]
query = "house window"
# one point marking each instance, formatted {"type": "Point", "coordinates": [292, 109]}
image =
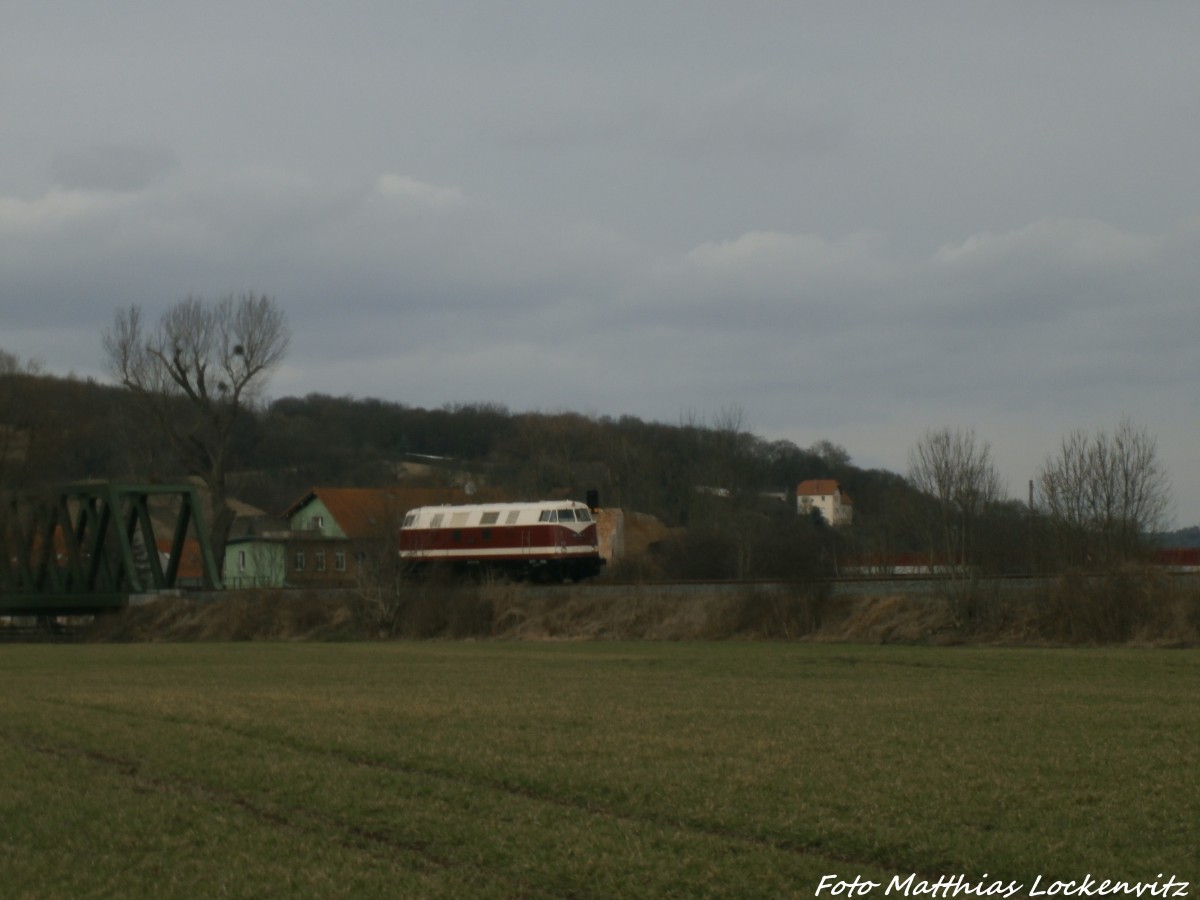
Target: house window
{"type": "Point", "coordinates": [317, 522]}
{"type": "Point", "coordinates": [360, 559]}
{"type": "Point", "coordinates": [339, 560]}
{"type": "Point", "coordinates": [241, 560]}
{"type": "Point", "coordinates": [299, 560]}
{"type": "Point", "coordinates": [320, 560]}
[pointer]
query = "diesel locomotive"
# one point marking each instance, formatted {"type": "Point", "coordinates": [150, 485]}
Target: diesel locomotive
{"type": "Point", "coordinates": [546, 540]}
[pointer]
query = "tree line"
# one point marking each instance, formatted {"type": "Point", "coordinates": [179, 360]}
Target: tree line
{"type": "Point", "coordinates": [190, 402]}
{"type": "Point", "coordinates": [1095, 502]}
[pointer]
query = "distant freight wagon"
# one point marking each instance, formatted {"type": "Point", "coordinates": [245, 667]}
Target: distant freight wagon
{"type": "Point", "coordinates": [548, 540]}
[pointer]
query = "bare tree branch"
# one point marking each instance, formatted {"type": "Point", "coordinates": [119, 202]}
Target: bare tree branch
{"type": "Point", "coordinates": [196, 372]}
{"type": "Point", "coordinates": [958, 473]}
{"type": "Point", "coordinates": [1104, 493]}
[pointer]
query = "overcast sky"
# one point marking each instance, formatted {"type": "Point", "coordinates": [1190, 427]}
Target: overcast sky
{"type": "Point", "coordinates": [848, 221]}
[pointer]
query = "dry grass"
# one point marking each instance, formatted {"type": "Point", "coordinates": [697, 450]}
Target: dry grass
{"type": "Point", "coordinates": [1131, 607]}
{"type": "Point", "coordinates": [241, 616]}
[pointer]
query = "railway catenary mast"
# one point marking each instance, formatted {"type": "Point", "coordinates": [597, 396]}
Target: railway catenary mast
{"type": "Point", "coordinates": [547, 540]}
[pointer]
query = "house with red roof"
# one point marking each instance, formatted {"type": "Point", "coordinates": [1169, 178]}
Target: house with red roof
{"type": "Point", "coordinates": [330, 537]}
{"type": "Point", "coordinates": [826, 497]}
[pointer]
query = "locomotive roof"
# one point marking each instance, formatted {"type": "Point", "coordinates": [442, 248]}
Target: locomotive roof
{"type": "Point", "coordinates": [502, 507]}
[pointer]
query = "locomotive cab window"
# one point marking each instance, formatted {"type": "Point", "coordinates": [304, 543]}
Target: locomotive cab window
{"type": "Point", "coordinates": [583, 515]}
{"type": "Point", "coordinates": [548, 515]}
{"type": "Point", "coordinates": [566, 515]}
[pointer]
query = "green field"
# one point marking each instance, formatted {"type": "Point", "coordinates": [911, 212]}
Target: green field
{"type": "Point", "coordinates": [731, 769]}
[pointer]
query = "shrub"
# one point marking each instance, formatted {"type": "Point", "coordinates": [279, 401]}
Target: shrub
{"type": "Point", "coordinates": [1107, 607]}
{"type": "Point", "coordinates": [788, 612]}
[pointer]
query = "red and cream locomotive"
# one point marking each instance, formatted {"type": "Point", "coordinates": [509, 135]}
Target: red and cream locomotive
{"type": "Point", "coordinates": [548, 540]}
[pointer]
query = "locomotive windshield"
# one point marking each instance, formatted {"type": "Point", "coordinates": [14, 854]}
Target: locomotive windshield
{"type": "Point", "coordinates": [564, 515]}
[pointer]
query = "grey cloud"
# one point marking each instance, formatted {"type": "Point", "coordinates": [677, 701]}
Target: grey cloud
{"type": "Point", "coordinates": [112, 167]}
{"type": "Point", "coordinates": [1080, 245]}
{"type": "Point", "coordinates": [752, 122]}
{"type": "Point", "coordinates": [854, 222]}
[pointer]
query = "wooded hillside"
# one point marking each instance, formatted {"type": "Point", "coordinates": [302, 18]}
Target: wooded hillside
{"type": "Point", "coordinates": [711, 482]}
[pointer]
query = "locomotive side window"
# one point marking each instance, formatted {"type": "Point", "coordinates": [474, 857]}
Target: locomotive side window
{"type": "Point", "coordinates": [409, 520]}
{"type": "Point", "coordinates": [436, 521]}
{"type": "Point", "coordinates": [458, 519]}
{"type": "Point", "coordinates": [490, 518]}
{"type": "Point", "coordinates": [512, 517]}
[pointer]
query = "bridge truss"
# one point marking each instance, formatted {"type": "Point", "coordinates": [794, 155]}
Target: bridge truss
{"type": "Point", "coordinates": [86, 548]}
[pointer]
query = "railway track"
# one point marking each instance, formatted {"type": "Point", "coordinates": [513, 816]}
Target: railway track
{"type": "Point", "coordinates": [847, 585]}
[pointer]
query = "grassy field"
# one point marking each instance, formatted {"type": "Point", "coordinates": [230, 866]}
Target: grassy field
{"type": "Point", "coordinates": [736, 769]}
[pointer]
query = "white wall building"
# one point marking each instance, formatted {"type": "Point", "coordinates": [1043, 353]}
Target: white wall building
{"type": "Point", "coordinates": [825, 496]}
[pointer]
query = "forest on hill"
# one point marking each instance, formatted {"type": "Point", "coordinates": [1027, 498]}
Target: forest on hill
{"type": "Point", "coordinates": [726, 494]}
{"type": "Point", "coordinates": [708, 477]}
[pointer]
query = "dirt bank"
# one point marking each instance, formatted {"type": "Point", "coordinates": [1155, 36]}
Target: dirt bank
{"type": "Point", "coordinates": [1134, 608]}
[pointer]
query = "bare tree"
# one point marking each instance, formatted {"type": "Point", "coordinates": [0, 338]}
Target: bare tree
{"type": "Point", "coordinates": [10, 426]}
{"type": "Point", "coordinates": [1103, 493]}
{"type": "Point", "coordinates": [196, 372]}
{"type": "Point", "coordinates": [957, 471]}
{"type": "Point", "coordinates": [18, 422]}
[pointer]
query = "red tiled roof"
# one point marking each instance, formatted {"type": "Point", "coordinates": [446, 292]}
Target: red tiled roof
{"type": "Point", "coordinates": [362, 512]}
{"type": "Point", "coordinates": [902, 559]}
{"type": "Point", "coordinates": [819, 487]}
{"type": "Point", "coordinates": [1178, 556]}
{"type": "Point", "coordinates": [190, 565]}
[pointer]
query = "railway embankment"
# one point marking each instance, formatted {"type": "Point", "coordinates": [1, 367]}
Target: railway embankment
{"type": "Point", "coordinates": [1130, 607]}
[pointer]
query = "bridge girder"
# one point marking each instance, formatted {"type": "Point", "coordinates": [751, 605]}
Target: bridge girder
{"type": "Point", "coordinates": [87, 547]}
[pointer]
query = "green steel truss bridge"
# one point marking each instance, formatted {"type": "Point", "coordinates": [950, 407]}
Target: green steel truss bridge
{"type": "Point", "coordinates": [86, 548]}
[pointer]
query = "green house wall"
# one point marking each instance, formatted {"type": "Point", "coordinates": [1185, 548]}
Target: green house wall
{"type": "Point", "coordinates": [262, 565]}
